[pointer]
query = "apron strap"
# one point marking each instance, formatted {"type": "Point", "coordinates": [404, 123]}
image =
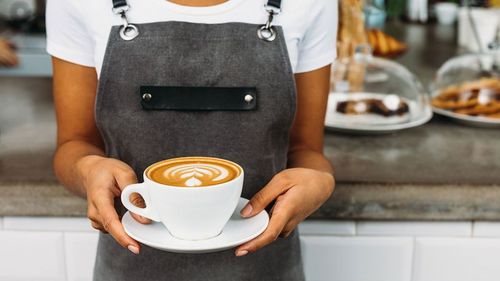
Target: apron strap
{"type": "Point", "coordinates": [267, 31]}
{"type": "Point", "coordinates": [122, 3]}
{"type": "Point", "coordinates": [119, 4]}
{"type": "Point", "coordinates": [275, 3]}
{"type": "Point", "coordinates": [129, 31]}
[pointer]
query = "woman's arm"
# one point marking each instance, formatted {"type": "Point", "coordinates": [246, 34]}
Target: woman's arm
{"type": "Point", "coordinates": [77, 136]}
{"type": "Point", "coordinates": [79, 162]}
{"type": "Point", "coordinates": [308, 182]}
{"type": "Point", "coordinates": [306, 138]}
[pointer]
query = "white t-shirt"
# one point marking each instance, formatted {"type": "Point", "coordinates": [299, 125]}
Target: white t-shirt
{"type": "Point", "coordinates": [78, 30]}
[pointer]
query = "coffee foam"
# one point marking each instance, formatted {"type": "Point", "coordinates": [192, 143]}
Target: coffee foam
{"type": "Point", "coordinates": [196, 174]}
{"type": "Point", "coordinates": [193, 172]}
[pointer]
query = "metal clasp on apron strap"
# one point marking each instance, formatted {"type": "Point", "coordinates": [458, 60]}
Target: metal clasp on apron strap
{"type": "Point", "coordinates": [127, 31]}
{"type": "Point", "coordinates": [267, 31]}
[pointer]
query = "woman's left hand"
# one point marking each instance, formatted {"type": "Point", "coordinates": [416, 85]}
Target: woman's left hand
{"type": "Point", "coordinates": [298, 193]}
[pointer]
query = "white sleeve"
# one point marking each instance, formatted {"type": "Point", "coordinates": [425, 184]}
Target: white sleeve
{"type": "Point", "coordinates": [318, 46]}
{"type": "Point", "coordinates": [67, 36]}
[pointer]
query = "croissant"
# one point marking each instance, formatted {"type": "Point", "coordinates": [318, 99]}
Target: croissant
{"type": "Point", "coordinates": [385, 45]}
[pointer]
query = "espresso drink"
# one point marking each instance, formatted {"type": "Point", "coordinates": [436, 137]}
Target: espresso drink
{"type": "Point", "coordinates": [193, 171]}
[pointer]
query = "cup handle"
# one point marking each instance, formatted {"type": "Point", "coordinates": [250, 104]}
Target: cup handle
{"type": "Point", "coordinates": [146, 212]}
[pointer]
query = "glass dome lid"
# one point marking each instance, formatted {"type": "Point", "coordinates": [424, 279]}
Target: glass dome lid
{"type": "Point", "coordinates": [370, 93]}
{"type": "Point", "coordinates": [467, 88]}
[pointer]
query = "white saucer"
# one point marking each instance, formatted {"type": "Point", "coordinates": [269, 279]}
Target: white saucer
{"type": "Point", "coordinates": [236, 232]}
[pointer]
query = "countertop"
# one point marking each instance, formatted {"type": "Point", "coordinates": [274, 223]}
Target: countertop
{"type": "Point", "coordinates": [439, 171]}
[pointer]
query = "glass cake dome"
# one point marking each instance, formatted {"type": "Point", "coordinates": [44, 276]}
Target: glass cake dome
{"type": "Point", "coordinates": [467, 89]}
{"type": "Point", "coordinates": [375, 95]}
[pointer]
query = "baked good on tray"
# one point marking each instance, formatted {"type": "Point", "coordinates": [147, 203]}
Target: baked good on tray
{"type": "Point", "coordinates": [373, 106]}
{"type": "Point", "coordinates": [385, 45]}
{"type": "Point", "coordinates": [475, 98]}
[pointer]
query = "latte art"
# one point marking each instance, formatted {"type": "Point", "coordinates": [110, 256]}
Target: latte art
{"type": "Point", "coordinates": [193, 172]}
{"type": "Point", "coordinates": [198, 174]}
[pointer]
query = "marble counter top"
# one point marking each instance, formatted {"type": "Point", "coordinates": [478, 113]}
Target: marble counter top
{"type": "Point", "coordinates": [440, 152]}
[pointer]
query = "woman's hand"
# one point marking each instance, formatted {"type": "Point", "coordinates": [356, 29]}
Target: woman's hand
{"type": "Point", "coordinates": [7, 55]}
{"type": "Point", "coordinates": [298, 193]}
{"type": "Point", "coordinates": [104, 180]}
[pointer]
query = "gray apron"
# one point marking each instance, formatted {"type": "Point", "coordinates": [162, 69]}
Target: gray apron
{"type": "Point", "coordinates": [240, 105]}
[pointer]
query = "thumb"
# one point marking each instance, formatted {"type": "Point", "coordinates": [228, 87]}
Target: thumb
{"type": "Point", "coordinates": [125, 178]}
{"type": "Point", "coordinates": [277, 186]}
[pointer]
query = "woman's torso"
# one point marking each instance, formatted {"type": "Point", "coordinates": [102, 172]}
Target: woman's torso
{"type": "Point", "coordinates": [119, 115]}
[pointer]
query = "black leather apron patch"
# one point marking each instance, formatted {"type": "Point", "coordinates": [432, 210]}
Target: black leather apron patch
{"type": "Point", "coordinates": [198, 98]}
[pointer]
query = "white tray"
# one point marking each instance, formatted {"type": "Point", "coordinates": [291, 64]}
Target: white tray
{"type": "Point", "coordinates": [476, 121]}
{"type": "Point", "coordinates": [372, 123]}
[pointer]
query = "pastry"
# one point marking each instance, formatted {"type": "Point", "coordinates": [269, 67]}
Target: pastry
{"type": "Point", "coordinates": [372, 106]}
{"type": "Point", "coordinates": [474, 98]}
{"type": "Point", "coordinates": [384, 45]}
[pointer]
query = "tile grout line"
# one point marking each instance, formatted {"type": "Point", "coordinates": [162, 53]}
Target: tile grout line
{"type": "Point", "coordinates": [413, 259]}
{"type": "Point", "coordinates": [64, 255]}
{"type": "Point", "coordinates": [381, 229]}
{"type": "Point", "coordinates": [60, 226]}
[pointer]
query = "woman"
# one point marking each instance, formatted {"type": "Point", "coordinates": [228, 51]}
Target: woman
{"type": "Point", "coordinates": [105, 50]}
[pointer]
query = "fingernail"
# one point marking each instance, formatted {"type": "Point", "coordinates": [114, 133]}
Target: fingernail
{"type": "Point", "coordinates": [133, 249]}
{"type": "Point", "coordinates": [241, 253]}
{"type": "Point", "coordinates": [246, 211]}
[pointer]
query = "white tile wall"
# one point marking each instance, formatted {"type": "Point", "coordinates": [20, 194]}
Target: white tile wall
{"type": "Point", "coordinates": [407, 228]}
{"type": "Point", "coordinates": [28, 256]}
{"type": "Point", "coordinates": [63, 249]}
{"type": "Point", "coordinates": [456, 259]}
{"type": "Point", "coordinates": [337, 228]}
{"type": "Point", "coordinates": [486, 229]}
{"type": "Point", "coordinates": [48, 224]}
{"type": "Point", "coordinates": [357, 258]}
{"type": "Point", "coordinates": [80, 255]}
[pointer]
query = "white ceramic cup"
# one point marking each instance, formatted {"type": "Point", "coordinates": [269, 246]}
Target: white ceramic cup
{"type": "Point", "coordinates": [188, 213]}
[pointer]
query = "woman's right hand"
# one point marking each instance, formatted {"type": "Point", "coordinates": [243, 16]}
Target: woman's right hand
{"type": "Point", "coordinates": [104, 179]}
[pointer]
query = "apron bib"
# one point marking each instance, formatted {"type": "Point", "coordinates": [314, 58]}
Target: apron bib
{"type": "Point", "coordinates": [241, 106]}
